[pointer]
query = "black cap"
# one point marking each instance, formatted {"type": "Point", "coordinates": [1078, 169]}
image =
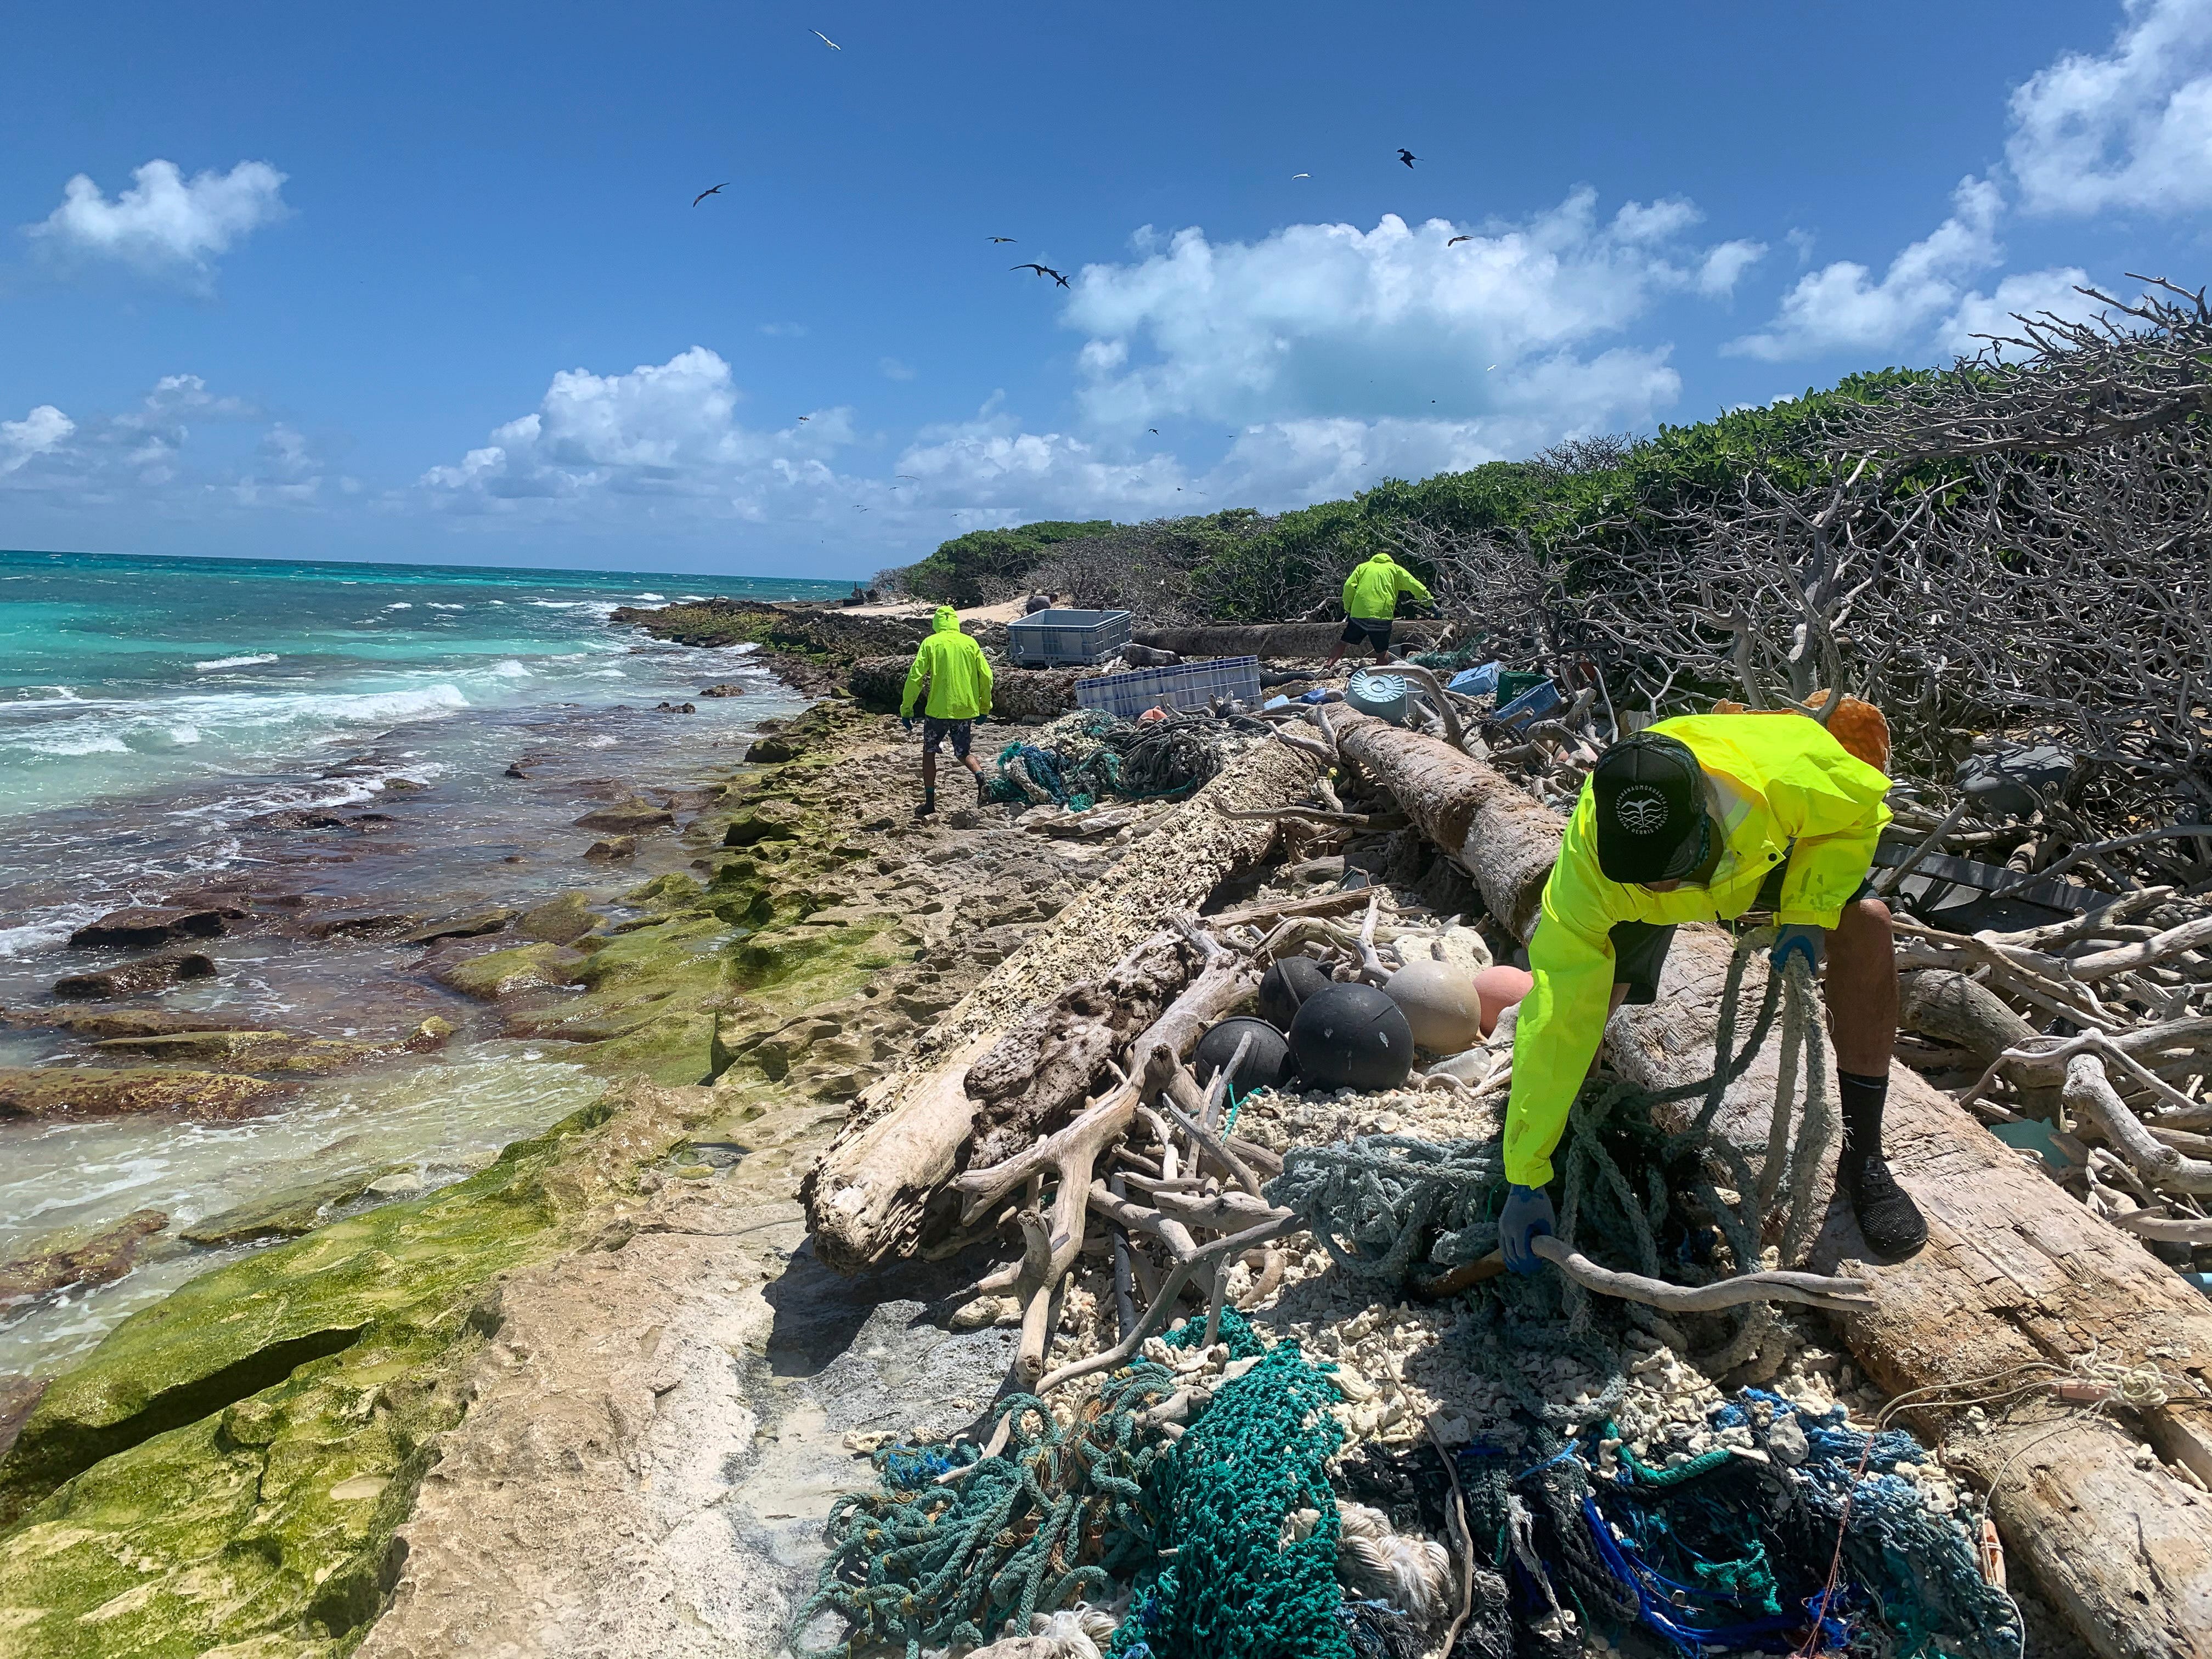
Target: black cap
{"type": "Point", "coordinates": [1650, 801]}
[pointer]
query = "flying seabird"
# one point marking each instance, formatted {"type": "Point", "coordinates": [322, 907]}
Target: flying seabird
{"type": "Point", "coordinates": [704, 194]}
{"type": "Point", "coordinates": [1002, 238]}
{"type": "Point", "coordinates": [1407, 157]}
{"type": "Point", "coordinates": [1042, 270]}
{"type": "Point", "coordinates": [804, 419]}
{"type": "Point", "coordinates": [1456, 241]}
{"type": "Point", "coordinates": [825, 40]}
{"type": "Point", "coordinates": [1302, 175]}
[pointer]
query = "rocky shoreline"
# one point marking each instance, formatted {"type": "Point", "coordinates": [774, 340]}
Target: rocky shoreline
{"type": "Point", "coordinates": [236, 1467]}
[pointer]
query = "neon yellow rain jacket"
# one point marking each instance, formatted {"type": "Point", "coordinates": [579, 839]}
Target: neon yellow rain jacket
{"type": "Point", "coordinates": [1371, 590]}
{"type": "Point", "coordinates": [958, 675]}
{"type": "Point", "coordinates": [1782, 788]}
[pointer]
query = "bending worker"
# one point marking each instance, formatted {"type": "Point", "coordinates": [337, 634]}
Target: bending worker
{"type": "Point", "coordinates": [959, 678]}
{"type": "Point", "coordinates": [1371, 602]}
{"type": "Point", "coordinates": [1702, 819]}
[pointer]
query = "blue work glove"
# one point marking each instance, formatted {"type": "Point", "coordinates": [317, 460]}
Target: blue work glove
{"type": "Point", "coordinates": [1527, 1212]}
{"type": "Point", "coordinates": [907, 720]}
{"type": "Point", "coordinates": [1797, 940]}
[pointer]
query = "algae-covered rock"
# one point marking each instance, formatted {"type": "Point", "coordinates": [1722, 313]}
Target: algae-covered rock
{"type": "Point", "coordinates": [472, 925]}
{"type": "Point", "coordinates": [562, 920]}
{"type": "Point", "coordinates": [498, 974]}
{"type": "Point", "coordinates": [130, 979]}
{"type": "Point", "coordinates": [627, 817]}
{"type": "Point", "coordinates": [286, 1214]}
{"type": "Point", "coordinates": [104, 1092]}
{"type": "Point", "coordinates": [122, 1021]}
{"type": "Point", "coordinates": [245, 1051]}
{"type": "Point", "coordinates": [768, 820]}
{"type": "Point", "coordinates": [612, 850]}
{"type": "Point", "coordinates": [78, 1260]}
{"type": "Point", "coordinates": [229, 1466]}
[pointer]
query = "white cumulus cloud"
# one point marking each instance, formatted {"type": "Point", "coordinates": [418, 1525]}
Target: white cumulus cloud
{"type": "Point", "coordinates": [1329, 321]}
{"type": "Point", "coordinates": [147, 456]}
{"type": "Point", "coordinates": [2131, 129]}
{"type": "Point", "coordinates": [663, 430]}
{"type": "Point", "coordinates": [42, 432]}
{"type": "Point", "coordinates": [1842, 306]}
{"type": "Point", "coordinates": [164, 223]}
{"type": "Point", "coordinates": [1980, 317]}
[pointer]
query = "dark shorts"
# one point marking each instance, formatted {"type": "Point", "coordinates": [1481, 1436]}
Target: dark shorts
{"type": "Point", "coordinates": [935, 731]}
{"type": "Point", "coordinates": [1375, 630]}
{"type": "Point", "coordinates": [1639, 948]}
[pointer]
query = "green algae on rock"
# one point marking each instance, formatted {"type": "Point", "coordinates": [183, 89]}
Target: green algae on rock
{"type": "Point", "coordinates": [106, 1092]}
{"type": "Point", "coordinates": [284, 1214]}
{"type": "Point", "coordinates": [229, 1465]}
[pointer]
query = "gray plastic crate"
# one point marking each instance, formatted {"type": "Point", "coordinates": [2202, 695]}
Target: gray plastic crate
{"type": "Point", "coordinates": [1187, 685]}
{"type": "Point", "coordinates": [1061, 639]}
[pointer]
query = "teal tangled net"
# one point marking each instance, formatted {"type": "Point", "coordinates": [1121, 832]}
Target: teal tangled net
{"type": "Point", "coordinates": [1234, 1587]}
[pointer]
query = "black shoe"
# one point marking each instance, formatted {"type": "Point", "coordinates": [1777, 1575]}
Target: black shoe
{"type": "Point", "coordinates": [1888, 1219]}
{"type": "Point", "coordinates": [928, 808]}
{"type": "Point", "coordinates": [982, 790]}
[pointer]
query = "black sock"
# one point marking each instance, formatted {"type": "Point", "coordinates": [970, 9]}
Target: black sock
{"type": "Point", "coordinates": [1863, 1098]}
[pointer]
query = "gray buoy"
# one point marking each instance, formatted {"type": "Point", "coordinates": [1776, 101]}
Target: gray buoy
{"type": "Point", "coordinates": [1351, 1036]}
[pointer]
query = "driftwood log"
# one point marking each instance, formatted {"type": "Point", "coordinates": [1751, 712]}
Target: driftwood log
{"type": "Point", "coordinates": [1288, 641]}
{"type": "Point", "coordinates": [2017, 1281]}
{"type": "Point", "coordinates": [865, 1198]}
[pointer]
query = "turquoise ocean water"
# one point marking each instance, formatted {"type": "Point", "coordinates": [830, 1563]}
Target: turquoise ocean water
{"type": "Point", "coordinates": [148, 704]}
{"type": "Point", "coordinates": [120, 676]}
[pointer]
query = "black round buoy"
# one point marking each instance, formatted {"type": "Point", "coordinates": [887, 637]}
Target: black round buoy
{"type": "Point", "coordinates": [1267, 1063]}
{"type": "Point", "coordinates": [1351, 1036]}
{"type": "Point", "coordinates": [1288, 983]}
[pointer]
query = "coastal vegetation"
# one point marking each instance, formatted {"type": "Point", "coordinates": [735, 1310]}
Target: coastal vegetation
{"type": "Point", "coordinates": [1241, 565]}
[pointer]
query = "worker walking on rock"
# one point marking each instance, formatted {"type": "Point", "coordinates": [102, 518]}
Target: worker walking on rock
{"type": "Point", "coordinates": [1370, 603]}
{"type": "Point", "coordinates": [1702, 819]}
{"type": "Point", "coordinates": [959, 678]}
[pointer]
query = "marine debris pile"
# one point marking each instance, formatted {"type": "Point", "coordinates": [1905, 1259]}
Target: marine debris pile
{"type": "Point", "coordinates": [1242, 1365]}
{"type": "Point", "coordinates": [1234, 1124]}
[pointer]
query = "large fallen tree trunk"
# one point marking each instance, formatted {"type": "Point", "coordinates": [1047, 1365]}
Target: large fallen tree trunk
{"type": "Point", "coordinates": [2018, 1282]}
{"type": "Point", "coordinates": [1290, 641]}
{"type": "Point", "coordinates": [865, 1200]}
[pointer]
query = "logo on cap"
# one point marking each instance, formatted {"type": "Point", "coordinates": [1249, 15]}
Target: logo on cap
{"type": "Point", "coordinates": [1641, 809]}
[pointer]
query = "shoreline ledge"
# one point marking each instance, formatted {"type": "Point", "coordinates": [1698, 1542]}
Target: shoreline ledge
{"type": "Point", "coordinates": [235, 1467]}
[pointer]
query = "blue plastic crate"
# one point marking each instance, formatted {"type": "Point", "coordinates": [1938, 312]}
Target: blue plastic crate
{"type": "Point", "coordinates": [1187, 685]}
{"type": "Point", "coordinates": [1063, 639]}
{"type": "Point", "coordinates": [1541, 698]}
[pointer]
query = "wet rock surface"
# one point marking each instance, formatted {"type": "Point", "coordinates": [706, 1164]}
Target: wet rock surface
{"type": "Point", "coordinates": [129, 979]}
{"type": "Point", "coordinates": [72, 1263]}
{"type": "Point", "coordinates": [59, 1091]}
{"type": "Point", "coordinates": [139, 928]}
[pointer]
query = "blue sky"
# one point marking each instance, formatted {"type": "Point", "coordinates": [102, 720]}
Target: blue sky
{"type": "Point", "coordinates": [426, 283]}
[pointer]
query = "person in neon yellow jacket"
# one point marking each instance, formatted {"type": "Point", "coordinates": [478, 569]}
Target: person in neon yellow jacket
{"type": "Point", "coordinates": [959, 678]}
{"type": "Point", "coordinates": [1702, 819]}
{"type": "Point", "coordinates": [1371, 602]}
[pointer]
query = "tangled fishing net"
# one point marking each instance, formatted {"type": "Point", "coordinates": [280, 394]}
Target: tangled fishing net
{"type": "Point", "coordinates": [1727, 1548]}
{"type": "Point", "coordinates": [1090, 754]}
{"type": "Point", "coordinates": [1068, 1509]}
{"type": "Point", "coordinates": [1245, 1504]}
